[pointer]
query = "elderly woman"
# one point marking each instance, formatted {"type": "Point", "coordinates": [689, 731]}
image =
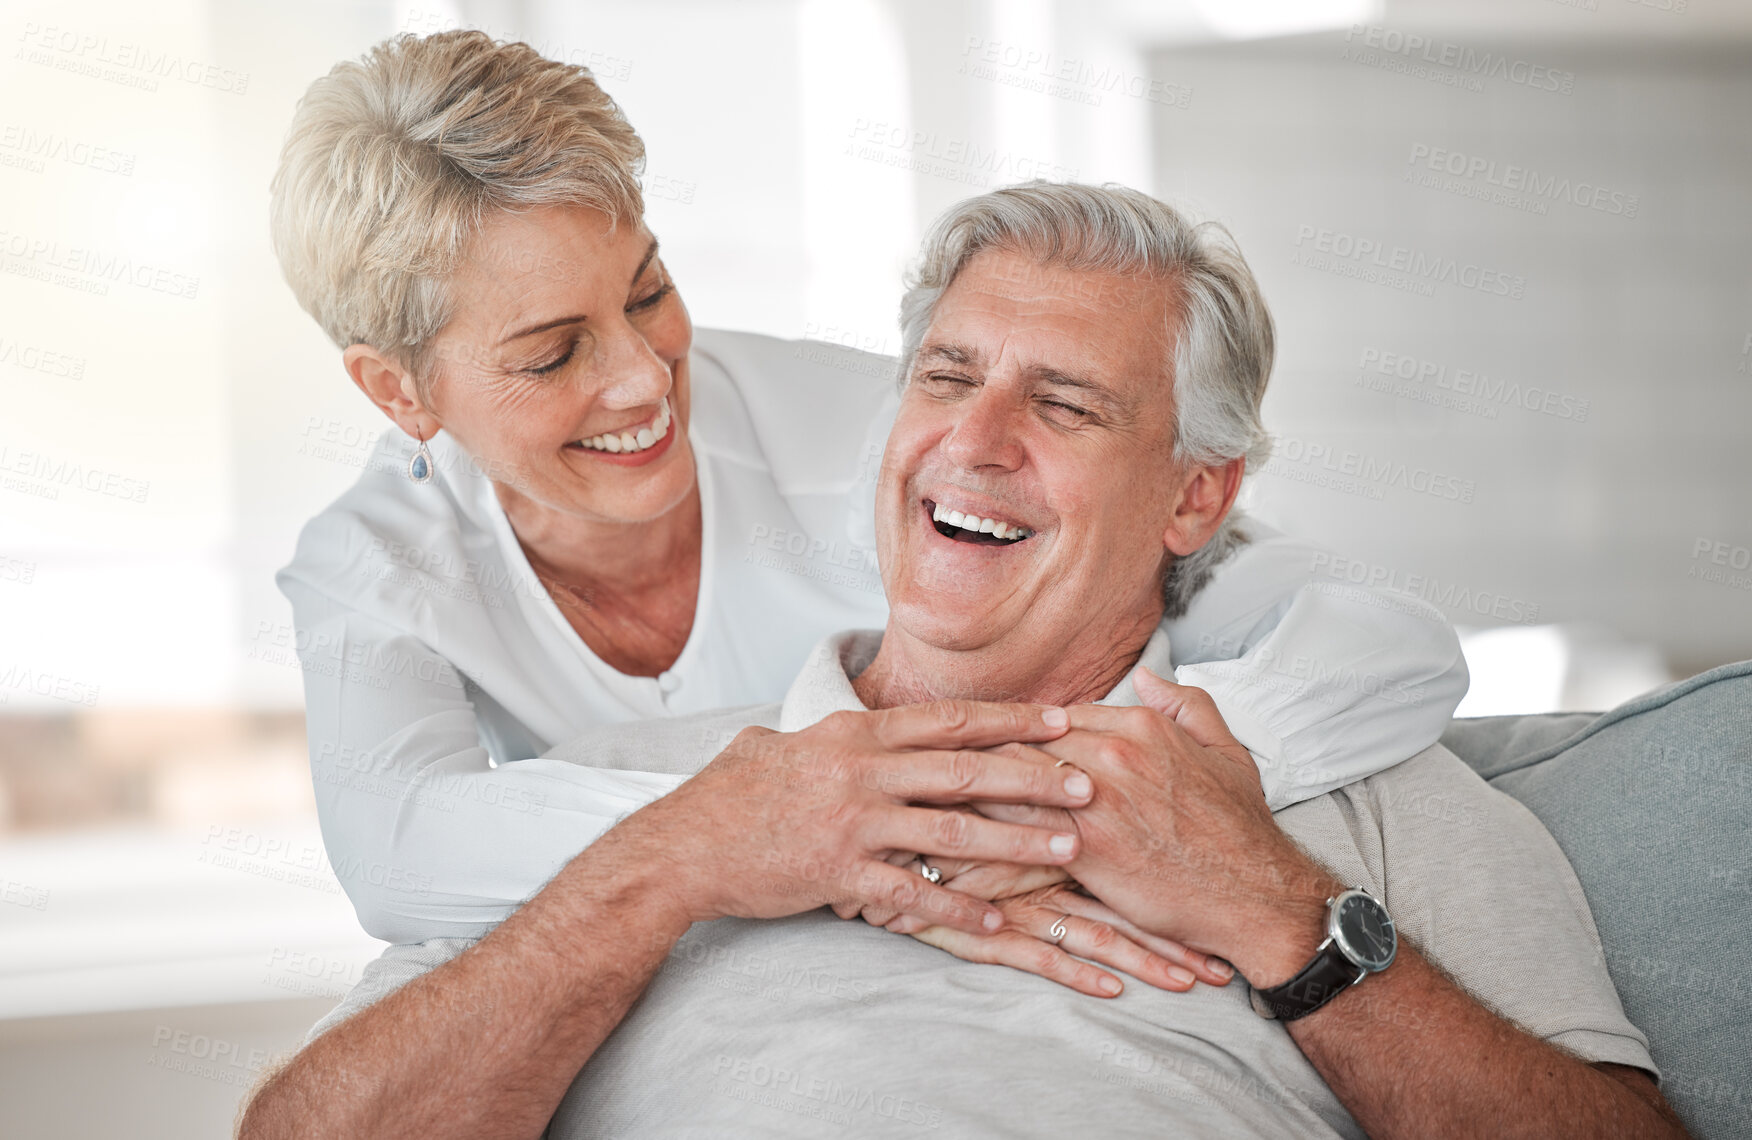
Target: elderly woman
{"type": "Point", "coordinates": [592, 517]}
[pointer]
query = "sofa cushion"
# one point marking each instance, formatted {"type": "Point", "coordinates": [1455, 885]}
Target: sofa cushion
{"type": "Point", "coordinates": [1652, 802]}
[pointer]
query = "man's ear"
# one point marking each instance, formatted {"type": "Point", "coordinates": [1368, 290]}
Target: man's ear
{"type": "Point", "coordinates": [1206, 494]}
{"type": "Point", "coordinates": [387, 383]}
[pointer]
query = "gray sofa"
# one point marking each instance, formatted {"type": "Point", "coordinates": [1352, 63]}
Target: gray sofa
{"type": "Point", "coordinates": [1652, 802]}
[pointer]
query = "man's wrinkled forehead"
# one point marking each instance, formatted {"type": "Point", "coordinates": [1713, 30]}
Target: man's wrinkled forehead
{"type": "Point", "coordinates": [1023, 275]}
{"type": "Point", "coordinates": [1104, 337]}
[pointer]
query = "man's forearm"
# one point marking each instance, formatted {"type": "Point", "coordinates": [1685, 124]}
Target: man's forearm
{"type": "Point", "coordinates": [1411, 1054]}
{"type": "Point", "coordinates": [487, 1044]}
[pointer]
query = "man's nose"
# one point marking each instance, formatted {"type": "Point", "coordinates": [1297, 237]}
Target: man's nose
{"type": "Point", "coordinates": [635, 374]}
{"type": "Point", "coordinates": [987, 433]}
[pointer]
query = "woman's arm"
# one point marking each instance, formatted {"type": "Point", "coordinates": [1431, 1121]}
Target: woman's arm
{"type": "Point", "coordinates": [1326, 681]}
{"type": "Point", "coordinates": [426, 836]}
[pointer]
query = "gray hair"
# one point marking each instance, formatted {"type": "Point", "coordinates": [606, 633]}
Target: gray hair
{"type": "Point", "coordinates": [394, 161]}
{"type": "Point", "coordinates": [1223, 346]}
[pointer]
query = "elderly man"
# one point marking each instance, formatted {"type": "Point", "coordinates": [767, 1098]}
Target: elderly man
{"type": "Point", "coordinates": [681, 975]}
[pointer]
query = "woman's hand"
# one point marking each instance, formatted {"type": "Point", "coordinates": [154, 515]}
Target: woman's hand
{"type": "Point", "coordinates": [780, 823]}
{"type": "Point", "coordinates": [1031, 941]}
{"type": "Point", "coordinates": [981, 879]}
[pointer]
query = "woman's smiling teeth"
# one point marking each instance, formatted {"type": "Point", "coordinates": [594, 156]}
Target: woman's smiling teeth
{"type": "Point", "coordinates": [974, 524]}
{"type": "Point", "coordinates": [648, 436]}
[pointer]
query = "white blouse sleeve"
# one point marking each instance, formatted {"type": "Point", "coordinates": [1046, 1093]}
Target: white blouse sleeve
{"type": "Point", "coordinates": [1324, 681]}
{"type": "Point", "coordinates": [426, 836]}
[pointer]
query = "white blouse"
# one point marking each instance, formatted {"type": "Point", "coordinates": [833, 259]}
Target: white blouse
{"type": "Point", "coordinates": [438, 670]}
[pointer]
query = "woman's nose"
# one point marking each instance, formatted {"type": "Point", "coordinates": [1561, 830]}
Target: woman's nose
{"type": "Point", "coordinates": [636, 374]}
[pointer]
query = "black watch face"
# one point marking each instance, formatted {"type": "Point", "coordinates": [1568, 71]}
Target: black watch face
{"type": "Point", "coordinates": [1366, 931]}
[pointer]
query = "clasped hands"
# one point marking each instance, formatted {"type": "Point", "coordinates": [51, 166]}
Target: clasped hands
{"type": "Point", "coordinates": [1142, 841]}
{"type": "Point", "coordinates": [1052, 920]}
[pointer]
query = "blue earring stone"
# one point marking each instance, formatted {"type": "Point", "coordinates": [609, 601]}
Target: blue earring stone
{"type": "Point", "coordinates": [420, 466]}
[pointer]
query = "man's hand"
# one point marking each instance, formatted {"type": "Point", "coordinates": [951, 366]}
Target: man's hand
{"type": "Point", "coordinates": [1047, 921]}
{"type": "Point", "coordinates": [781, 823]}
{"type": "Point", "coordinates": [1178, 837]}
{"type": "Point", "coordinates": [981, 878]}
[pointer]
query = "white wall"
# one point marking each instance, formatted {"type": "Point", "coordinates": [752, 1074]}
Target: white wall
{"type": "Point", "coordinates": [1642, 309]}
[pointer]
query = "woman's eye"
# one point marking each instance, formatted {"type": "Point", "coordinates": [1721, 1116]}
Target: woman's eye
{"type": "Point", "coordinates": [553, 366]}
{"type": "Point", "coordinates": [651, 301]}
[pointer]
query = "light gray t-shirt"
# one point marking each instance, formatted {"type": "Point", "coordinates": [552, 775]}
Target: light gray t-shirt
{"type": "Point", "coordinates": [814, 1026]}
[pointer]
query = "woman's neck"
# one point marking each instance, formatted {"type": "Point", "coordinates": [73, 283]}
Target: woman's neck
{"type": "Point", "coordinates": [624, 558]}
{"type": "Point", "coordinates": [629, 590]}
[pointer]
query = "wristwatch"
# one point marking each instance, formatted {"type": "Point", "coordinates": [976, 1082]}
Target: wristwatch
{"type": "Point", "coordinates": [1360, 940]}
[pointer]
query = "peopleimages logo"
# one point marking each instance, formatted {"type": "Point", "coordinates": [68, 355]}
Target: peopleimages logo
{"type": "Point", "coordinates": [1449, 596]}
{"type": "Point", "coordinates": [1367, 470]}
{"type": "Point", "coordinates": [1411, 264]}
{"type": "Point", "coordinates": [894, 144]}
{"type": "Point", "coordinates": [44, 475]}
{"type": "Point", "coordinates": [138, 64]}
{"type": "Point", "coordinates": [52, 686]}
{"type": "Point", "coordinates": [1065, 77]}
{"type": "Point", "coordinates": [1514, 180]}
{"type": "Point", "coordinates": [1459, 59]}
{"type": "Point", "coordinates": [37, 147]}
{"type": "Point", "coordinates": [1713, 560]}
{"type": "Point", "coordinates": [38, 359]}
{"type": "Point", "coordinates": [1472, 390]}
{"type": "Point", "coordinates": [95, 266]}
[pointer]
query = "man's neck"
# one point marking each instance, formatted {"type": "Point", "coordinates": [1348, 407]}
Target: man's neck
{"type": "Point", "coordinates": [909, 671]}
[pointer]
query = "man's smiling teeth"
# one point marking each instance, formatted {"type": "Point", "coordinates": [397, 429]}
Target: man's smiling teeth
{"type": "Point", "coordinates": [648, 436]}
{"type": "Point", "coordinates": [993, 527]}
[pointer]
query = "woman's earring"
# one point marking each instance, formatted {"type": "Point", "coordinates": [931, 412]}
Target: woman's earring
{"type": "Point", "coordinates": [420, 466]}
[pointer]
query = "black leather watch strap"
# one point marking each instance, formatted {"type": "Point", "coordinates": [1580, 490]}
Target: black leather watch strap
{"type": "Point", "coordinates": [1326, 976]}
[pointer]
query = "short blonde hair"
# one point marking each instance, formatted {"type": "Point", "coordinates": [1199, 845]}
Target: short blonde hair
{"type": "Point", "coordinates": [394, 161]}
